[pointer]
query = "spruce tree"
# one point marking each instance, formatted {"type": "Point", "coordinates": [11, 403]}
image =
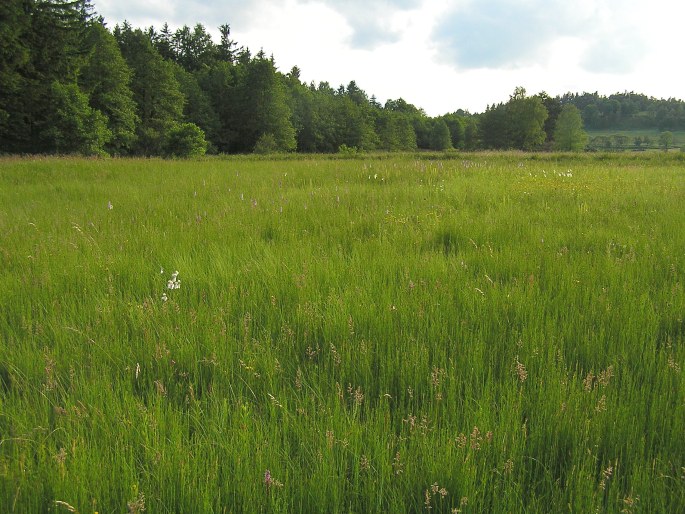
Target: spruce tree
{"type": "Point", "coordinates": [155, 90]}
{"type": "Point", "coordinates": [106, 79]}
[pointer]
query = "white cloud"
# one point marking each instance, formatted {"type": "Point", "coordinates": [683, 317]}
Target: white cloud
{"type": "Point", "coordinates": [442, 55]}
{"type": "Point", "coordinates": [211, 13]}
{"type": "Point", "coordinates": [510, 34]}
{"type": "Point", "coordinates": [370, 20]}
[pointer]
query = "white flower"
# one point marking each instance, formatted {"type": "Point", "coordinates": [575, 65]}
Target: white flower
{"type": "Point", "coordinates": [164, 297]}
{"type": "Point", "coordinates": [174, 282]}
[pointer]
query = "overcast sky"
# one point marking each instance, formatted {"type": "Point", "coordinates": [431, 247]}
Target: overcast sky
{"type": "Point", "coordinates": [443, 55]}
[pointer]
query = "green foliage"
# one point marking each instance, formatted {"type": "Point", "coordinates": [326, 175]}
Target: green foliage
{"type": "Point", "coordinates": [40, 42]}
{"type": "Point", "coordinates": [105, 78]}
{"type": "Point", "coordinates": [193, 49]}
{"type": "Point", "coordinates": [343, 149]}
{"type": "Point", "coordinates": [628, 111]}
{"type": "Point", "coordinates": [395, 131]}
{"type": "Point", "coordinates": [151, 81]}
{"type": "Point", "coordinates": [518, 124]}
{"type": "Point", "coordinates": [155, 90]}
{"type": "Point", "coordinates": [494, 127]}
{"type": "Point", "coordinates": [457, 128]}
{"type": "Point", "coordinates": [526, 121]}
{"type": "Point", "coordinates": [440, 136]}
{"type": "Point", "coordinates": [197, 107]}
{"type": "Point", "coordinates": [666, 140]}
{"type": "Point", "coordinates": [266, 144]}
{"type": "Point", "coordinates": [554, 108]}
{"type": "Point", "coordinates": [14, 56]}
{"type": "Point", "coordinates": [185, 140]}
{"type": "Point", "coordinates": [219, 85]}
{"type": "Point", "coordinates": [471, 134]}
{"type": "Point", "coordinates": [262, 107]}
{"type": "Point", "coordinates": [73, 126]}
{"type": "Point", "coordinates": [630, 140]}
{"type": "Point", "coordinates": [568, 133]}
{"type": "Point", "coordinates": [353, 123]}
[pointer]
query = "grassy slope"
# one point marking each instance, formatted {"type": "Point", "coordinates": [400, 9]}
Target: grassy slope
{"type": "Point", "coordinates": [504, 329]}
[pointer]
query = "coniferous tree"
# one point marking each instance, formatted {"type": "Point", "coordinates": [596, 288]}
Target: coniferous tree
{"type": "Point", "coordinates": [322, 119]}
{"type": "Point", "coordinates": [353, 123]}
{"type": "Point", "coordinates": [50, 46]}
{"type": "Point", "coordinates": [395, 131]}
{"type": "Point", "coordinates": [155, 90]}
{"type": "Point", "coordinates": [227, 48]}
{"type": "Point", "coordinates": [163, 42]}
{"type": "Point", "coordinates": [193, 49]}
{"type": "Point", "coordinates": [14, 56]}
{"type": "Point", "coordinates": [105, 78]}
{"type": "Point", "coordinates": [301, 102]}
{"type": "Point", "coordinates": [456, 125]}
{"type": "Point", "coordinates": [218, 83]}
{"type": "Point", "coordinates": [197, 107]}
{"type": "Point", "coordinates": [263, 106]}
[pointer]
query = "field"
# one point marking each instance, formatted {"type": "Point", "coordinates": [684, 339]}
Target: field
{"type": "Point", "coordinates": [443, 333]}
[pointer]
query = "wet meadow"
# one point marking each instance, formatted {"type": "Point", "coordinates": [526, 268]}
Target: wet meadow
{"type": "Point", "coordinates": [450, 333]}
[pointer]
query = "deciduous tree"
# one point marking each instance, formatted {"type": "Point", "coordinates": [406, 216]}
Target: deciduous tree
{"type": "Point", "coordinates": [666, 140]}
{"type": "Point", "coordinates": [72, 125]}
{"type": "Point", "coordinates": [569, 135]}
{"type": "Point", "coordinates": [526, 120]}
{"type": "Point", "coordinates": [440, 135]}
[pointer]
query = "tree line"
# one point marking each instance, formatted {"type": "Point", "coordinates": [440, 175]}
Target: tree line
{"type": "Point", "coordinates": [69, 84]}
{"type": "Point", "coordinates": [628, 111]}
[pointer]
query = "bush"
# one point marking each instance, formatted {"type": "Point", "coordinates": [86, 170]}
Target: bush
{"type": "Point", "coordinates": [266, 144]}
{"type": "Point", "coordinates": [185, 140]}
{"type": "Point", "coordinates": [347, 150]}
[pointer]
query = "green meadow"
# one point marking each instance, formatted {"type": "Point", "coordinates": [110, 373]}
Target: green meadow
{"type": "Point", "coordinates": [382, 333]}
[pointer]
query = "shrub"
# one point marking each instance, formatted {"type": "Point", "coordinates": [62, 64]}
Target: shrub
{"type": "Point", "coordinates": [266, 144]}
{"type": "Point", "coordinates": [347, 150]}
{"type": "Point", "coordinates": [185, 140]}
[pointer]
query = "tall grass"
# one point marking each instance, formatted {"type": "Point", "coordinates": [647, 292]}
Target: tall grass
{"type": "Point", "coordinates": [457, 333]}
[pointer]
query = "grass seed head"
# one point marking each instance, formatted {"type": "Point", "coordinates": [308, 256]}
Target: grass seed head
{"type": "Point", "coordinates": [521, 371]}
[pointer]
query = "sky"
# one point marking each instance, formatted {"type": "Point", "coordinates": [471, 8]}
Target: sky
{"type": "Point", "coordinates": [444, 55]}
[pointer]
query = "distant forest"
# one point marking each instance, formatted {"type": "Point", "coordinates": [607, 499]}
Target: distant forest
{"type": "Point", "coordinates": [70, 84]}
